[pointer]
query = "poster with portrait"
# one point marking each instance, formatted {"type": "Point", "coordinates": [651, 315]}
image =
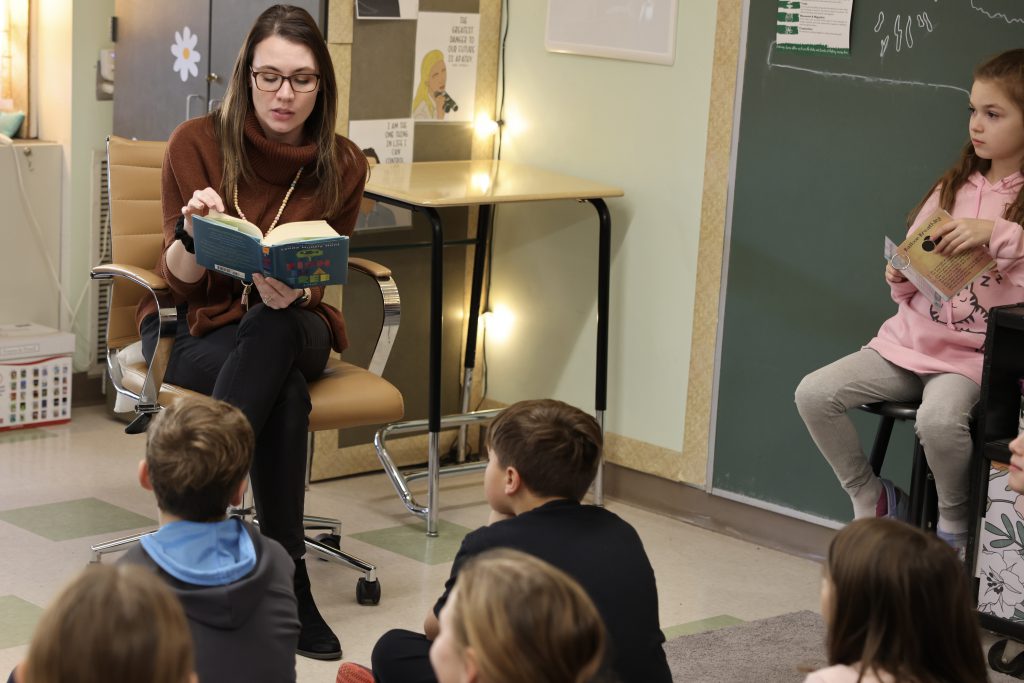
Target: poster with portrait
{"type": "Point", "coordinates": [384, 141]}
{"type": "Point", "coordinates": [444, 82]}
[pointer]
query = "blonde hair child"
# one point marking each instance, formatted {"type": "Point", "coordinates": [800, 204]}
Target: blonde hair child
{"type": "Point", "coordinates": [513, 618]}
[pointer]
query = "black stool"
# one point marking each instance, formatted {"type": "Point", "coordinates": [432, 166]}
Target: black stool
{"type": "Point", "coordinates": [924, 501]}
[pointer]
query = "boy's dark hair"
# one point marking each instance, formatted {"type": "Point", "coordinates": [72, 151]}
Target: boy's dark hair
{"type": "Point", "coordinates": [198, 451]}
{"type": "Point", "coordinates": [555, 447]}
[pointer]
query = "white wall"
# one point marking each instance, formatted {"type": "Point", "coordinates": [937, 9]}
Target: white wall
{"type": "Point", "coordinates": [66, 39]}
{"type": "Point", "coordinates": [50, 46]}
{"type": "Point", "coordinates": [639, 126]}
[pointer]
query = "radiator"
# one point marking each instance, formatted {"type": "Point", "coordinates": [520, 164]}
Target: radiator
{"type": "Point", "coordinates": [100, 245]}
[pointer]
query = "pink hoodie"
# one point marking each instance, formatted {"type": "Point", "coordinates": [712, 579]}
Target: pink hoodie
{"type": "Point", "coordinates": [927, 340]}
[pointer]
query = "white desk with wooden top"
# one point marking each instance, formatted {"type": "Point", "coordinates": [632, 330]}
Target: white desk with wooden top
{"type": "Point", "coordinates": [424, 187]}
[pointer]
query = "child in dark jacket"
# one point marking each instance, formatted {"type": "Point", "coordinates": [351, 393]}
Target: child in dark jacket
{"type": "Point", "coordinates": [543, 456]}
{"type": "Point", "coordinates": [234, 584]}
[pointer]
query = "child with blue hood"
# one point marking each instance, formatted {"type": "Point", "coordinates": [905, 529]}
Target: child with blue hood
{"type": "Point", "coordinates": [235, 586]}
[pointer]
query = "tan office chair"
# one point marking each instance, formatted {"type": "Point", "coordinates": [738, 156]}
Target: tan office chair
{"type": "Point", "coordinates": [345, 396]}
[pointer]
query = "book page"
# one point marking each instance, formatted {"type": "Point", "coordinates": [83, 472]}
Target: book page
{"type": "Point", "coordinates": [239, 224]}
{"type": "Point", "coordinates": [300, 231]}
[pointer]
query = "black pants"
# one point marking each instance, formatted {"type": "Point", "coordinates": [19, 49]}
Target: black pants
{"type": "Point", "coordinates": [402, 656]}
{"type": "Point", "coordinates": [261, 365]}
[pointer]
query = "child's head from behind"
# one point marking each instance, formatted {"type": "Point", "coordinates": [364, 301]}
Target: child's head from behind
{"type": "Point", "coordinates": [897, 599]}
{"type": "Point", "coordinates": [554, 447]}
{"type": "Point", "coordinates": [111, 623]}
{"type": "Point", "coordinates": [198, 453]}
{"type": "Point", "coordinates": [513, 618]}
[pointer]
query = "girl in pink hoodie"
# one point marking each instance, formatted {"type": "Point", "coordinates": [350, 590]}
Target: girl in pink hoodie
{"type": "Point", "coordinates": [929, 354]}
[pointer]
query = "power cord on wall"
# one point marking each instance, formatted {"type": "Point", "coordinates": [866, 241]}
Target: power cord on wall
{"type": "Point", "coordinates": [490, 243]}
{"type": "Point", "coordinates": [453, 451]}
{"type": "Point", "coordinates": [37, 232]}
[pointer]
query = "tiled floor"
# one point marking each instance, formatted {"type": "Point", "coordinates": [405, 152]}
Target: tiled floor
{"type": "Point", "coordinates": [65, 488]}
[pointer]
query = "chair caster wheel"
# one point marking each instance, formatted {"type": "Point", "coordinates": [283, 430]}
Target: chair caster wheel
{"type": "Point", "coordinates": [140, 424]}
{"type": "Point", "coordinates": [333, 540]}
{"type": "Point", "coordinates": [368, 592]}
{"type": "Point", "coordinates": [1014, 667]}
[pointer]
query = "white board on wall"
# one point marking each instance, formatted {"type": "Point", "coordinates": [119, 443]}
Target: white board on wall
{"type": "Point", "coordinates": [637, 30]}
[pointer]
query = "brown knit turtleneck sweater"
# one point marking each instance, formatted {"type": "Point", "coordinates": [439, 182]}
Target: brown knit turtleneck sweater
{"type": "Point", "coordinates": [193, 162]}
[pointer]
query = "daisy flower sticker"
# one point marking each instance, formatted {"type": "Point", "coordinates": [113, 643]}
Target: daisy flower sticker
{"type": "Point", "coordinates": [185, 54]}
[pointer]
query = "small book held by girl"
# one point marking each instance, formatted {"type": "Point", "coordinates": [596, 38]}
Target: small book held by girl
{"type": "Point", "coordinates": [938, 276]}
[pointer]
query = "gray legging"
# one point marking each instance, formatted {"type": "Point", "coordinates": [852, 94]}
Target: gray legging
{"type": "Point", "coordinates": [824, 396]}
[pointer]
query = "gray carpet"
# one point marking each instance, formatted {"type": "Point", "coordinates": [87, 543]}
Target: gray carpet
{"type": "Point", "coordinates": [770, 650]}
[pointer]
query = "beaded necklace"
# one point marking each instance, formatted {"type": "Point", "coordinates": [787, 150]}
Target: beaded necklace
{"type": "Point", "coordinates": [287, 195]}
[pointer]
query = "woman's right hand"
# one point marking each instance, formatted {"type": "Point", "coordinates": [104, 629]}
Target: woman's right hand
{"type": "Point", "coordinates": [202, 202]}
{"type": "Point", "coordinates": [892, 275]}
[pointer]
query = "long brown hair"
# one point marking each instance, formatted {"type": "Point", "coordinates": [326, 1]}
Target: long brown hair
{"type": "Point", "coordinates": [111, 623]}
{"type": "Point", "coordinates": [1005, 70]}
{"type": "Point", "coordinates": [901, 604]}
{"type": "Point", "coordinates": [526, 621]}
{"type": "Point", "coordinates": [295, 25]}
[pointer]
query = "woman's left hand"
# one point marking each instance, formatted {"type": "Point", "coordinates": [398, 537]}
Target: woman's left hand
{"type": "Point", "coordinates": [962, 234]}
{"type": "Point", "coordinates": [275, 294]}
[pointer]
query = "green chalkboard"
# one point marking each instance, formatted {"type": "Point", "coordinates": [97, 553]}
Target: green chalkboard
{"type": "Point", "coordinates": [832, 153]}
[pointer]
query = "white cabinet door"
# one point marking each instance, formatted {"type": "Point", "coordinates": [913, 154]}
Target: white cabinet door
{"type": "Point", "coordinates": [30, 250]}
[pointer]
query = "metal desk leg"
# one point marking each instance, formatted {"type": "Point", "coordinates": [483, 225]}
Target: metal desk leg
{"type": "Point", "coordinates": [604, 260]}
{"type": "Point", "coordinates": [434, 379]}
{"type": "Point", "coordinates": [483, 224]}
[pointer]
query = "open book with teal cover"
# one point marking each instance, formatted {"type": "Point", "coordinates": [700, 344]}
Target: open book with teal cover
{"type": "Point", "coordinates": [300, 254]}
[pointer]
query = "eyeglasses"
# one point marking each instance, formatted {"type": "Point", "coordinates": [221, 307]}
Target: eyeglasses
{"type": "Point", "coordinates": [268, 81]}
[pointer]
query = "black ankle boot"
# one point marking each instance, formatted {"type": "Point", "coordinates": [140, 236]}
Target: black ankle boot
{"type": "Point", "coordinates": [316, 640]}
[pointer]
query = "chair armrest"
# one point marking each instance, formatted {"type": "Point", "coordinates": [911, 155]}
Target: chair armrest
{"type": "Point", "coordinates": [392, 305]}
{"type": "Point", "coordinates": [139, 276]}
{"type": "Point", "coordinates": [148, 399]}
{"type": "Point", "coordinates": [371, 268]}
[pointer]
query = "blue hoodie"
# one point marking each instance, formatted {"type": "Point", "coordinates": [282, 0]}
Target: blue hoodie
{"type": "Point", "coordinates": [236, 587]}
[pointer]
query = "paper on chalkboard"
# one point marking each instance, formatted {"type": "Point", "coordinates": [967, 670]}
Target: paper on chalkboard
{"type": "Point", "coordinates": [821, 26]}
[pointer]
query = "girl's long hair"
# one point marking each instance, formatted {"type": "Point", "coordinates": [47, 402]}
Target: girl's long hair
{"type": "Point", "coordinates": [295, 25]}
{"type": "Point", "coordinates": [525, 620]}
{"type": "Point", "coordinates": [901, 604]}
{"type": "Point", "coordinates": [1006, 71]}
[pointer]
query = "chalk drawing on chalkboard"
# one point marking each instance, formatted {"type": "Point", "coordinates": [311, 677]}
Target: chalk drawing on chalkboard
{"type": "Point", "coordinates": [995, 14]}
{"type": "Point", "coordinates": [859, 77]}
{"type": "Point", "coordinates": [902, 29]}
